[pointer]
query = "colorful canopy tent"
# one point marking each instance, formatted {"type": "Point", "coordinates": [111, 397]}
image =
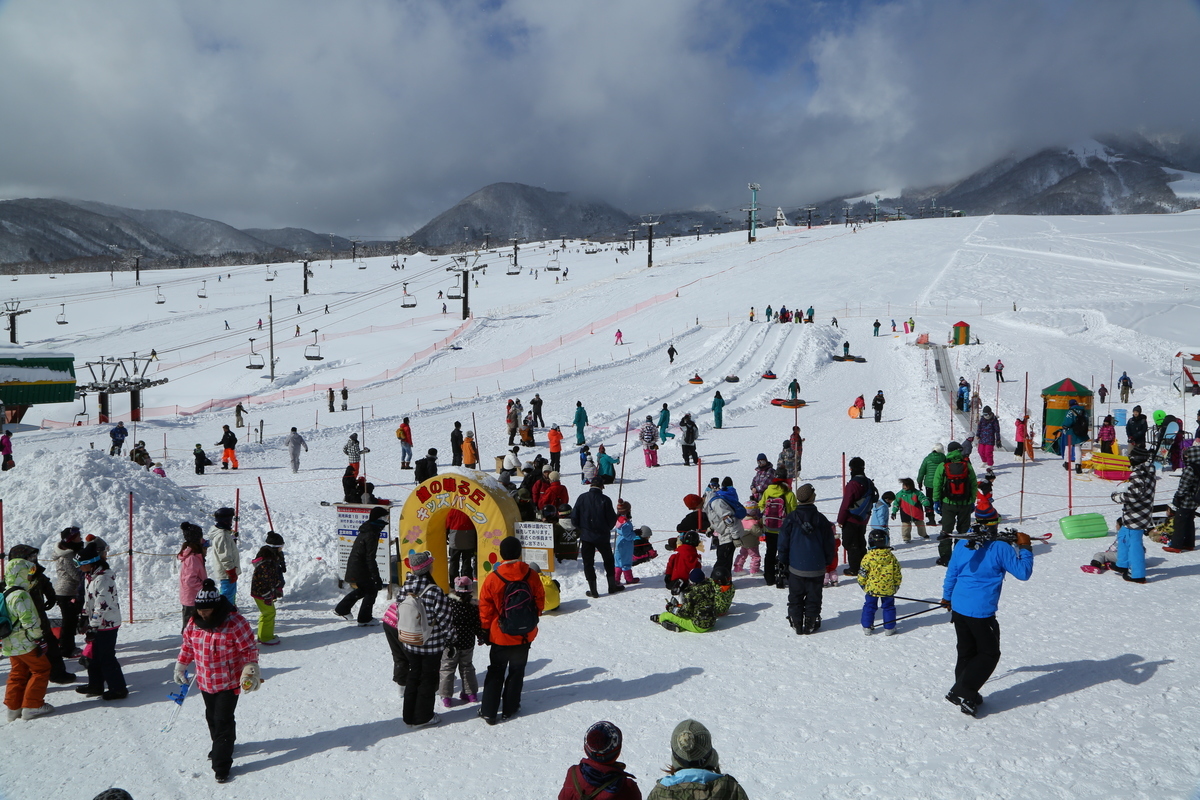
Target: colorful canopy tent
{"type": "Point", "coordinates": [961, 333]}
{"type": "Point", "coordinates": [29, 377]}
{"type": "Point", "coordinates": [1056, 399]}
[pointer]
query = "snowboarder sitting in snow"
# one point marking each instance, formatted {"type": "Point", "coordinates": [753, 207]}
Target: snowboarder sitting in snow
{"type": "Point", "coordinates": [139, 455]}
{"type": "Point", "coordinates": [879, 576]}
{"type": "Point", "coordinates": [681, 563]}
{"type": "Point", "coordinates": [702, 602]}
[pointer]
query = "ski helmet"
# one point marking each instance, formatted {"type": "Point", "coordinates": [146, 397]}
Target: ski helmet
{"type": "Point", "coordinates": [877, 539]}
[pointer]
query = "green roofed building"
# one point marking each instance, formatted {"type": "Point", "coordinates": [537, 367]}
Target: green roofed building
{"type": "Point", "coordinates": [29, 377]}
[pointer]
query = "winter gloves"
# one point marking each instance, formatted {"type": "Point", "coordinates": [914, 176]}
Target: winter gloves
{"type": "Point", "coordinates": [1023, 541]}
{"type": "Point", "coordinates": [181, 673]}
{"type": "Point", "coordinates": [251, 678]}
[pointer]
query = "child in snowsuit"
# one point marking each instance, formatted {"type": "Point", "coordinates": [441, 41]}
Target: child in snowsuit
{"type": "Point", "coordinates": [752, 524]}
{"type": "Point", "coordinates": [589, 471]}
{"type": "Point", "coordinates": [1137, 508]}
{"type": "Point", "coordinates": [681, 563]}
{"type": "Point", "coordinates": [986, 515]}
{"type": "Point", "coordinates": [202, 459]}
{"type": "Point", "coordinates": [702, 602]}
{"type": "Point", "coordinates": [551, 587]}
{"type": "Point", "coordinates": [266, 587]}
{"type": "Point", "coordinates": [465, 632]}
{"type": "Point", "coordinates": [879, 576]}
{"type": "Point", "coordinates": [910, 504]}
{"type": "Point", "coordinates": [879, 515]}
{"type": "Point", "coordinates": [626, 536]}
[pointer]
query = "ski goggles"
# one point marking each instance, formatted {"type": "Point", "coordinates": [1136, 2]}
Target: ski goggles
{"type": "Point", "coordinates": [82, 562]}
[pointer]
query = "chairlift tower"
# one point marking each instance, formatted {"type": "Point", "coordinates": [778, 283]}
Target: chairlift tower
{"type": "Point", "coordinates": [752, 212]}
{"type": "Point", "coordinates": [12, 309]}
{"type": "Point", "coordinates": [117, 376]}
{"type": "Point", "coordinates": [648, 222]}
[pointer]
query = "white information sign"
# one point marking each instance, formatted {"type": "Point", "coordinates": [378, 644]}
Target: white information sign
{"type": "Point", "coordinates": [537, 544]}
{"type": "Point", "coordinates": [350, 518]}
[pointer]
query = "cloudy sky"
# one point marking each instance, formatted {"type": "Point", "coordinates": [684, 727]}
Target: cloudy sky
{"type": "Point", "coordinates": [369, 117]}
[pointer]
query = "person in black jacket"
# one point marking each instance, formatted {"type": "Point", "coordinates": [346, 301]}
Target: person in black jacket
{"type": "Point", "coordinates": [535, 406]}
{"type": "Point", "coordinates": [877, 403]}
{"type": "Point", "coordinates": [690, 434]}
{"type": "Point", "coordinates": [806, 547]}
{"type": "Point", "coordinates": [594, 517]}
{"type": "Point", "coordinates": [456, 440]}
{"type": "Point", "coordinates": [362, 569]}
{"type": "Point", "coordinates": [426, 467]}
{"type": "Point", "coordinates": [229, 443]}
{"type": "Point", "coordinates": [1135, 429]}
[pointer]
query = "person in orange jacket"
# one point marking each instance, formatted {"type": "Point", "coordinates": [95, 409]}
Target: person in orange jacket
{"type": "Point", "coordinates": [470, 452]}
{"type": "Point", "coordinates": [502, 612]}
{"type": "Point", "coordinates": [555, 437]}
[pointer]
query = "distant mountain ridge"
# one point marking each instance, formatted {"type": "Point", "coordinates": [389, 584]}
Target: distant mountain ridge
{"type": "Point", "coordinates": [1131, 174]}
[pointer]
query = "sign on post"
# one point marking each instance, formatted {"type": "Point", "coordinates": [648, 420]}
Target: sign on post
{"type": "Point", "coordinates": [350, 518]}
{"type": "Point", "coordinates": [537, 544]}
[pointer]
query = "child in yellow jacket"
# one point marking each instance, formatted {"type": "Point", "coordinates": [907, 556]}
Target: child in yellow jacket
{"type": "Point", "coordinates": [879, 576]}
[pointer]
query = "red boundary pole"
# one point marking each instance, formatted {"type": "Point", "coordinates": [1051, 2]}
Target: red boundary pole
{"type": "Point", "coordinates": [270, 525]}
{"type": "Point", "coordinates": [131, 558]}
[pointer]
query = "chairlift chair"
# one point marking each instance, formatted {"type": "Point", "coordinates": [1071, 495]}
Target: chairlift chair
{"type": "Point", "coordinates": [62, 317]}
{"type": "Point", "coordinates": [513, 268]}
{"type": "Point", "coordinates": [313, 351]}
{"type": "Point", "coordinates": [362, 265]}
{"type": "Point", "coordinates": [270, 275]}
{"type": "Point", "coordinates": [159, 299]}
{"type": "Point", "coordinates": [408, 300]}
{"type": "Point", "coordinates": [256, 359]}
{"type": "Point", "coordinates": [202, 292]}
{"type": "Point", "coordinates": [454, 292]}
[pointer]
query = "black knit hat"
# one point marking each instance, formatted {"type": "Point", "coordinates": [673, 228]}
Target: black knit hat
{"type": "Point", "coordinates": [510, 548]}
{"type": "Point", "coordinates": [208, 596]}
{"type": "Point", "coordinates": [274, 539]}
{"type": "Point", "coordinates": [602, 742]}
{"type": "Point", "coordinates": [192, 533]}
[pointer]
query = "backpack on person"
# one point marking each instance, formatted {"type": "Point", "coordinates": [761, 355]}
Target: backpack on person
{"type": "Point", "coordinates": [773, 513]}
{"type": "Point", "coordinates": [1079, 427]}
{"type": "Point", "coordinates": [7, 624]}
{"type": "Point", "coordinates": [518, 609]}
{"type": "Point", "coordinates": [862, 507]}
{"type": "Point", "coordinates": [957, 485]}
{"type": "Point", "coordinates": [412, 623]}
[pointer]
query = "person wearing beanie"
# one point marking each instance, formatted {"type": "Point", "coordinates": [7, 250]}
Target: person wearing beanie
{"type": "Point", "coordinates": [691, 432]}
{"type": "Point", "coordinates": [470, 451]}
{"type": "Point", "coordinates": [426, 466]}
{"type": "Point", "coordinates": [747, 554]}
{"type": "Point", "coordinates": [461, 539]}
{"type": "Point", "coordinates": [293, 442]}
{"type": "Point", "coordinates": [228, 443]}
{"type": "Point", "coordinates": [879, 578]}
{"type": "Point", "coordinates": [1185, 500]}
{"type": "Point", "coordinates": [987, 435]}
{"type": "Point", "coordinates": [201, 459]}
{"type": "Point", "coordinates": [224, 561]}
{"type": "Point", "coordinates": [954, 489]}
{"type": "Point", "coordinates": [718, 410]}
{"type": "Point", "coordinates": [664, 422]}
{"type": "Point", "coordinates": [266, 588]}
{"type": "Point", "coordinates": [806, 548]}
{"type": "Point", "coordinates": [858, 498]}
{"type": "Point", "coordinates": [764, 473]}
{"type": "Point", "coordinates": [606, 466]}
{"type": "Point", "coordinates": [594, 518]}
{"type": "Point", "coordinates": [465, 633]}
{"type": "Point", "coordinates": [700, 603]}
{"type": "Point", "coordinates": [512, 418]}
{"type": "Point", "coordinates": [725, 512]}
{"type": "Point", "coordinates": [43, 593]}
{"type": "Point", "coordinates": [456, 440]}
{"type": "Point", "coordinates": [509, 618]}
{"type": "Point", "coordinates": [925, 475]}
{"type": "Point", "coordinates": [1136, 428]}
{"type": "Point", "coordinates": [776, 502]}
{"type": "Point", "coordinates": [1137, 510]}
{"type": "Point", "coordinates": [362, 570]}
{"type": "Point", "coordinates": [354, 453]}
{"type": "Point", "coordinates": [877, 403]}
{"type": "Point", "coordinates": [220, 643]}
{"type": "Point", "coordinates": [626, 536]}
{"type": "Point", "coordinates": [648, 436]}
{"type": "Point", "coordinates": [555, 494]}
{"type": "Point", "coordinates": [67, 579]}
{"type": "Point", "coordinates": [29, 668]}
{"type": "Point", "coordinates": [1022, 434]}
{"type": "Point", "coordinates": [192, 573]}
{"type": "Point", "coordinates": [971, 591]}
{"type": "Point", "coordinates": [695, 770]}
{"type": "Point", "coordinates": [554, 438]}
{"type": "Point", "coordinates": [600, 774]}
{"type": "Point", "coordinates": [695, 519]}
{"type": "Point", "coordinates": [424, 655]}
{"type": "Point", "coordinates": [1074, 431]}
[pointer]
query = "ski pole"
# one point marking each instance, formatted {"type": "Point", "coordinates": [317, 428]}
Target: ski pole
{"type": "Point", "coordinates": [266, 507]}
{"type": "Point", "coordinates": [624, 450]}
{"type": "Point", "coordinates": [906, 616]}
{"type": "Point", "coordinates": [918, 600]}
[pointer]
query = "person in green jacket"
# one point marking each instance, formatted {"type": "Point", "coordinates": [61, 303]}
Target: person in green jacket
{"type": "Point", "coordinates": [718, 409]}
{"type": "Point", "coordinates": [794, 390]}
{"type": "Point", "coordinates": [695, 771]}
{"type": "Point", "coordinates": [703, 601]}
{"type": "Point", "coordinates": [606, 468]}
{"type": "Point", "coordinates": [956, 502]}
{"type": "Point", "coordinates": [580, 421]}
{"type": "Point", "coordinates": [664, 421]}
{"type": "Point", "coordinates": [928, 468]}
{"type": "Point", "coordinates": [29, 669]}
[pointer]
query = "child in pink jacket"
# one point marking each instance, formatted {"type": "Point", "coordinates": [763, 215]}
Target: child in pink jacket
{"type": "Point", "coordinates": [191, 569]}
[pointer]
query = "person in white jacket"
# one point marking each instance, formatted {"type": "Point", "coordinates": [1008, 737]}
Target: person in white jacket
{"type": "Point", "coordinates": [102, 611]}
{"type": "Point", "coordinates": [224, 562]}
{"type": "Point", "coordinates": [294, 441]}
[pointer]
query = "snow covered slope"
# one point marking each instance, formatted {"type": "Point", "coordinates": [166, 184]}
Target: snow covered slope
{"type": "Point", "coordinates": [1094, 695]}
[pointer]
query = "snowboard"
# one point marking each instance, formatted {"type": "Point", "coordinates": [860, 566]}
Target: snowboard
{"type": "Point", "coordinates": [1094, 570]}
{"type": "Point", "coordinates": [178, 698]}
{"type": "Point", "coordinates": [1162, 453]}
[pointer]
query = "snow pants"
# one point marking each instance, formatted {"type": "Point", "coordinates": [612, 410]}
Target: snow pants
{"type": "Point", "coordinates": [365, 610]}
{"type": "Point", "coordinates": [985, 454]}
{"type": "Point", "coordinates": [1131, 550]}
{"type": "Point", "coordinates": [504, 680]}
{"type": "Point", "coordinates": [854, 539]}
{"type": "Point", "coordinates": [748, 554]}
{"type": "Point", "coordinates": [587, 553]}
{"type": "Point", "coordinates": [420, 689]}
{"type": "Point", "coordinates": [870, 603]}
{"type": "Point", "coordinates": [978, 654]}
{"type": "Point", "coordinates": [229, 458]}
{"type": "Point", "coordinates": [266, 620]}
{"type": "Point", "coordinates": [1184, 537]}
{"type": "Point", "coordinates": [104, 671]}
{"type": "Point", "coordinates": [219, 708]}
{"type": "Point", "coordinates": [651, 456]}
{"type": "Point", "coordinates": [906, 529]}
{"type": "Point", "coordinates": [718, 417]}
{"type": "Point", "coordinates": [229, 591]}
{"type": "Point", "coordinates": [682, 622]}
{"type": "Point", "coordinates": [664, 434]}
{"type": "Point", "coordinates": [462, 562]}
{"type": "Point", "coordinates": [769, 560]}
{"type": "Point", "coordinates": [579, 440]}
{"type": "Point", "coordinates": [70, 616]}
{"type": "Point", "coordinates": [689, 454]}
{"type": "Point", "coordinates": [399, 656]}
{"type": "Point", "coordinates": [28, 677]}
{"type": "Point", "coordinates": [804, 597]}
{"type": "Point", "coordinates": [556, 460]}
{"type": "Point", "coordinates": [460, 664]}
{"type": "Point", "coordinates": [294, 455]}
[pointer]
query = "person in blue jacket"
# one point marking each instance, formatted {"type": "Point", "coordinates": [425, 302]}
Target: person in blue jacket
{"type": "Point", "coordinates": [806, 548]}
{"type": "Point", "coordinates": [118, 435]}
{"type": "Point", "coordinates": [971, 591]}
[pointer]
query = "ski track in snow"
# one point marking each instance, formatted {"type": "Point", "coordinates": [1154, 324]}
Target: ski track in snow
{"type": "Point", "coordinates": [1093, 696]}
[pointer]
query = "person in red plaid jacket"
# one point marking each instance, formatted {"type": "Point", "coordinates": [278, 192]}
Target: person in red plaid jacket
{"type": "Point", "coordinates": [221, 643]}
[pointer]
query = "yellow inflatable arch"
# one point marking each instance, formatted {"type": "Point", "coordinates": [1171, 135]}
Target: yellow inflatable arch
{"type": "Point", "coordinates": [423, 522]}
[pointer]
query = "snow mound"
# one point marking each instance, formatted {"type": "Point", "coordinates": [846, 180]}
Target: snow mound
{"type": "Point", "coordinates": [48, 491]}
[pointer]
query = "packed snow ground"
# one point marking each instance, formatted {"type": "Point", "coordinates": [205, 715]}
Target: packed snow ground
{"type": "Point", "coordinates": [1094, 695]}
